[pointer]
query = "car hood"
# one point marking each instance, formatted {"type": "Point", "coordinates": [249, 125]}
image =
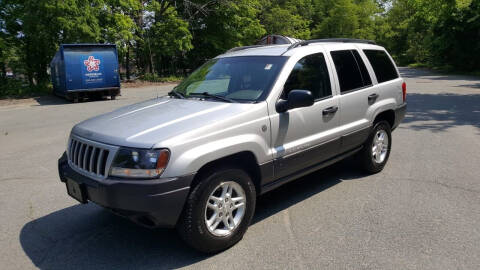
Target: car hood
{"type": "Point", "coordinates": [147, 123]}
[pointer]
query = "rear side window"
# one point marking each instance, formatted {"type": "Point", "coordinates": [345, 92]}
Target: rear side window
{"type": "Point", "coordinates": [309, 73]}
{"type": "Point", "coordinates": [351, 71]}
{"type": "Point", "coordinates": [382, 65]}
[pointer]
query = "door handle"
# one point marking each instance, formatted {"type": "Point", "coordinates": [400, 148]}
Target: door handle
{"type": "Point", "coordinates": [372, 98]}
{"type": "Point", "coordinates": [330, 110]}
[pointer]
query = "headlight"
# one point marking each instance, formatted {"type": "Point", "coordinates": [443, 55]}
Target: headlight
{"type": "Point", "coordinates": [139, 163]}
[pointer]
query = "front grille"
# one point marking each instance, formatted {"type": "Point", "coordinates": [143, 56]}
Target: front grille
{"type": "Point", "coordinates": [88, 157]}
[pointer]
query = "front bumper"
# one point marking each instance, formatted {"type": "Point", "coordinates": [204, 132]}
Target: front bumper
{"type": "Point", "coordinates": [152, 203]}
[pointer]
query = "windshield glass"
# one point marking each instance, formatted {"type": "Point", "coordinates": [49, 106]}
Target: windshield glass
{"type": "Point", "coordinates": [241, 78]}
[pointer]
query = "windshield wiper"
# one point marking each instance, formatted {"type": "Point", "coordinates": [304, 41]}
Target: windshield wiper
{"type": "Point", "coordinates": [175, 93]}
{"type": "Point", "coordinates": [206, 94]}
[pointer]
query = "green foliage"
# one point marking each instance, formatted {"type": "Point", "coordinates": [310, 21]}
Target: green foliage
{"type": "Point", "coordinates": [221, 26]}
{"type": "Point", "coordinates": [289, 18]}
{"type": "Point", "coordinates": [290, 25]}
{"type": "Point", "coordinates": [435, 33]}
{"type": "Point", "coordinates": [168, 34]}
{"type": "Point", "coordinates": [163, 37]}
{"type": "Point", "coordinates": [152, 77]}
{"type": "Point", "coordinates": [347, 18]}
{"type": "Point", "coordinates": [37, 27]}
{"type": "Point", "coordinates": [17, 88]}
{"type": "Point", "coordinates": [117, 19]}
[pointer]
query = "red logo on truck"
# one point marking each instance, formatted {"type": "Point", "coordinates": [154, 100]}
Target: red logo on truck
{"type": "Point", "coordinates": [92, 64]}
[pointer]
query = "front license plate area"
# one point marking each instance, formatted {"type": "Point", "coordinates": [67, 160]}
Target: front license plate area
{"type": "Point", "coordinates": [77, 191]}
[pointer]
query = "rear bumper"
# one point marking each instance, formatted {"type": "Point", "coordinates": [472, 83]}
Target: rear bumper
{"type": "Point", "coordinates": [152, 203]}
{"type": "Point", "coordinates": [108, 91]}
{"type": "Point", "coordinates": [400, 112]}
{"type": "Point", "coordinates": [116, 88]}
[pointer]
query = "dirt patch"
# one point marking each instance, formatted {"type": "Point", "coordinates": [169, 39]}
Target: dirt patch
{"type": "Point", "coordinates": [17, 101]}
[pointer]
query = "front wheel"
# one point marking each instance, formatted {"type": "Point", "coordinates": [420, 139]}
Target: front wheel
{"type": "Point", "coordinates": [376, 149]}
{"type": "Point", "coordinates": [218, 210]}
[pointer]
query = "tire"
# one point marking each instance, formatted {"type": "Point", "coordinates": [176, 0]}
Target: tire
{"type": "Point", "coordinates": [192, 225]}
{"type": "Point", "coordinates": [375, 162]}
{"type": "Point", "coordinates": [113, 97]}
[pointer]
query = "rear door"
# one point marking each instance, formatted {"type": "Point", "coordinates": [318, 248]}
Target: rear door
{"type": "Point", "coordinates": [357, 94]}
{"type": "Point", "coordinates": [386, 74]}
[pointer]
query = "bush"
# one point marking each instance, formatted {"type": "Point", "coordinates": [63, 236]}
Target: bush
{"type": "Point", "coordinates": [15, 88]}
{"type": "Point", "coordinates": [152, 77]}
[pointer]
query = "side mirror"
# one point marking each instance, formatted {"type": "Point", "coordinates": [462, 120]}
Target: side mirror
{"type": "Point", "coordinates": [295, 99]}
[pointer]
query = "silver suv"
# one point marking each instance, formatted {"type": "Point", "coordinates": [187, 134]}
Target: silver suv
{"type": "Point", "coordinates": [241, 125]}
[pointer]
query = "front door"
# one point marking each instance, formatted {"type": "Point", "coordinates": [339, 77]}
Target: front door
{"type": "Point", "coordinates": [303, 137]}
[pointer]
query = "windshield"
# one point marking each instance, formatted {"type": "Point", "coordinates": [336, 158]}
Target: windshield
{"type": "Point", "coordinates": [242, 78]}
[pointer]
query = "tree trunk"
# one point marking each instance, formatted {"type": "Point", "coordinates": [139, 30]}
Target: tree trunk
{"type": "Point", "coordinates": [42, 77]}
{"type": "Point", "coordinates": [30, 79]}
{"type": "Point", "coordinates": [4, 71]}
{"type": "Point", "coordinates": [152, 68]}
{"type": "Point", "coordinates": [127, 62]}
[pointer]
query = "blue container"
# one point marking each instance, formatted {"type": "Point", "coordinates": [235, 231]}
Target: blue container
{"type": "Point", "coordinates": [83, 70]}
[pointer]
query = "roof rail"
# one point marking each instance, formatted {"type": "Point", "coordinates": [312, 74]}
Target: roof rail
{"type": "Point", "coordinates": [342, 40]}
{"type": "Point", "coordinates": [277, 39]}
{"type": "Point", "coordinates": [269, 40]}
{"type": "Point", "coordinates": [244, 48]}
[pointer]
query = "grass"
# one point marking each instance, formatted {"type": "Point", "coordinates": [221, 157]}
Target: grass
{"type": "Point", "coordinates": [445, 69]}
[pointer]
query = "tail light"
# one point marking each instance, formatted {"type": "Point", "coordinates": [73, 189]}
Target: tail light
{"type": "Point", "coordinates": [404, 91]}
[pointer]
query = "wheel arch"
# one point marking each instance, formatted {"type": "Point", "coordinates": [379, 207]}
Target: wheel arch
{"type": "Point", "coordinates": [387, 115]}
{"type": "Point", "coordinates": [245, 160]}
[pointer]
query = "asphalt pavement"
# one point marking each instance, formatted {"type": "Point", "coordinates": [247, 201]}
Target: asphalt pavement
{"type": "Point", "coordinates": [421, 212]}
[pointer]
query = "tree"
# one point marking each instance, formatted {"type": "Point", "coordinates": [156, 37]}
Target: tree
{"type": "Point", "coordinates": [437, 32]}
{"type": "Point", "coordinates": [346, 18]}
{"type": "Point", "coordinates": [290, 25]}
{"type": "Point", "coordinates": [167, 36]}
{"type": "Point", "coordinates": [222, 25]}
{"type": "Point", "coordinates": [3, 58]}
{"type": "Point", "coordinates": [289, 18]}
{"type": "Point", "coordinates": [38, 26]}
{"type": "Point", "coordinates": [455, 37]}
{"type": "Point", "coordinates": [117, 19]}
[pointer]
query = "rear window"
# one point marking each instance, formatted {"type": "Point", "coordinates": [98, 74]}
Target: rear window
{"type": "Point", "coordinates": [382, 65]}
{"type": "Point", "coordinates": [351, 71]}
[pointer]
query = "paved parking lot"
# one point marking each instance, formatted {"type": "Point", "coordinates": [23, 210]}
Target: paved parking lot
{"type": "Point", "coordinates": [421, 212]}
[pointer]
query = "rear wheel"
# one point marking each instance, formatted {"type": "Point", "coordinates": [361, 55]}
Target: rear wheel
{"type": "Point", "coordinates": [218, 210]}
{"type": "Point", "coordinates": [376, 149]}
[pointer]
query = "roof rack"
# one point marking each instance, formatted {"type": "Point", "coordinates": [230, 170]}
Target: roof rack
{"type": "Point", "coordinates": [268, 40]}
{"type": "Point", "coordinates": [277, 39]}
{"type": "Point", "coordinates": [244, 48]}
{"type": "Point", "coordinates": [342, 40]}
